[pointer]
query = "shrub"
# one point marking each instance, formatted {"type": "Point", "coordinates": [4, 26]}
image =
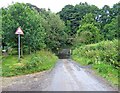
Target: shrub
{"type": "Point", "coordinates": [103, 57]}
{"type": "Point", "coordinates": [106, 51]}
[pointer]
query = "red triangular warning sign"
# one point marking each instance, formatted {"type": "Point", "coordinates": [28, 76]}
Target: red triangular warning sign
{"type": "Point", "coordinates": [19, 31]}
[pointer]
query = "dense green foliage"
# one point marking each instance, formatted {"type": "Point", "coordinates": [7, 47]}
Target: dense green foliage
{"type": "Point", "coordinates": [72, 15]}
{"type": "Point", "coordinates": [55, 31]}
{"type": "Point", "coordinates": [106, 51]}
{"type": "Point", "coordinates": [42, 29]}
{"type": "Point", "coordinates": [82, 23]}
{"type": "Point", "coordinates": [88, 31]}
{"type": "Point", "coordinates": [30, 21]}
{"type": "Point", "coordinates": [39, 61]}
{"type": "Point", "coordinates": [111, 29]}
{"type": "Point", "coordinates": [103, 56]}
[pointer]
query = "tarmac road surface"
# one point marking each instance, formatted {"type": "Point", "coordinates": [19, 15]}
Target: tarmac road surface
{"type": "Point", "coordinates": [66, 76]}
{"type": "Point", "coordinates": [69, 76]}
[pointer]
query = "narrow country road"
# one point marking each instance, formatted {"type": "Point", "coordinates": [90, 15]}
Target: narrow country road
{"type": "Point", "coordinates": [69, 76]}
{"type": "Point", "coordinates": [66, 76]}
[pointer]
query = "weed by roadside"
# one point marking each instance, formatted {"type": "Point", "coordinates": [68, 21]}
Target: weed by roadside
{"type": "Point", "coordinates": [103, 57]}
{"type": "Point", "coordinates": [39, 61]}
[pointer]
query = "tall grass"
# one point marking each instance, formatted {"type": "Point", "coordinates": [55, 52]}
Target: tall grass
{"type": "Point", "coordinates": [103, 56]}
{"type": "Point", "coordinates": [39, 61]}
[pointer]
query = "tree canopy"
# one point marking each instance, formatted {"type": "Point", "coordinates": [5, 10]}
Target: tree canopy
{"type": "Point", "coordinates": [88, 31]}
{"type": "Point", "coordinates": [101, 19]}
{"type": "Point", "coordinates": [42, 29]}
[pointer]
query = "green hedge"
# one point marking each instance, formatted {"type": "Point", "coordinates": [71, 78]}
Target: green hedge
{"type": "Point", "coordinates": [103, 57]}
{"type": "Point", "coordinates": [105, 51]}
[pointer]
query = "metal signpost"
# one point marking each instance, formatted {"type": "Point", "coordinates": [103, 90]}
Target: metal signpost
{"type": "Point", "coordinates": [19, 32]}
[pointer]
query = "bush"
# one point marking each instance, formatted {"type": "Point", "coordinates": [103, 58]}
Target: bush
{"type": "Point", "coordinates": [103, 57]}
{"type": "Point", "coordinates": [106, 51]}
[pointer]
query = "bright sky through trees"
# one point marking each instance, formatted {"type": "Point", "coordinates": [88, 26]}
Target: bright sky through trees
{"type": "Point", "coordinates": [57, 5]}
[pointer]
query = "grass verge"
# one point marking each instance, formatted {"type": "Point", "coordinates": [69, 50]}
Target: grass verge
{"type": "Point", "coordinates": [103, 57]}
{"type": "Point", "coordinates": [39, 61]}
{"type": "Point", "coordinates": [103, 69]}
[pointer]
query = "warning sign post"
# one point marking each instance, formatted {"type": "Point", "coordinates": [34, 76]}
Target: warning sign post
{"type": "Point", "coordinates": [19, 32]}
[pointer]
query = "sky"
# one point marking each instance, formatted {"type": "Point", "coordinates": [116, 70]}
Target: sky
{"type": "Point", "coordinates": [57, 5]}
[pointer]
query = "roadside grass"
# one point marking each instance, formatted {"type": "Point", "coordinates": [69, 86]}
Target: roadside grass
{"type": "Point", "coordinates": [103, 57]}
{"type": "Point", "coordinates": [103, 69]}
{"type": "Point", "coordinates": [39, 61]}
{"type": "Point", "coordinates": [108, 72]}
